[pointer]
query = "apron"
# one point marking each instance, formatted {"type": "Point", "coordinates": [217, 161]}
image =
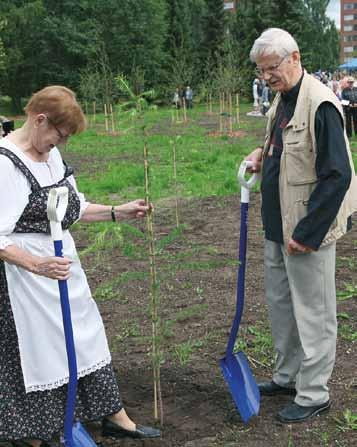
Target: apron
{"type": "Point", "coordinates": [35, 299]}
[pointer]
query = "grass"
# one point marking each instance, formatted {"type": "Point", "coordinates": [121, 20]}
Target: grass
{"type": "Point", "coordinates": [206, 166]}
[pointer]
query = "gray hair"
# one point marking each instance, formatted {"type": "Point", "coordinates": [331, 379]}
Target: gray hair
{"type": "Point", "coordinates": [273, 41]}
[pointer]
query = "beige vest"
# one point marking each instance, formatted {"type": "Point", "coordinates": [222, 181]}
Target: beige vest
{"type": "Point", "coordinates": [297, 166]}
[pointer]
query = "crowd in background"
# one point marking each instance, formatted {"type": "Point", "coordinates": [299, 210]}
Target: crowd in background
{"type": "Point", "coordinates": [183, 97]}
{"type": "Point", "coordinates": [344, 86]}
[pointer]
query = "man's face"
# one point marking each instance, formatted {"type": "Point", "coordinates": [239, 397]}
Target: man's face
{"type": "Point", "coordinates": [281, 73]}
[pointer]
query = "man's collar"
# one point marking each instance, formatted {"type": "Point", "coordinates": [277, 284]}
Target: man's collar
{"type": "Point", "coordinates": [293, 93]}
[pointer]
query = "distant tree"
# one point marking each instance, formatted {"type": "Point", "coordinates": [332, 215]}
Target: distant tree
{"type": "Point", "coordinates": [22, 47]}
{"type": "Point", "coordinates": [134, 35]}
{"type": "Point", "coordinates": [306, 20]}
{"type": "Point", "coordinates": [319, 39]}
{"type": "Point", "coordinates": [2, 50]}
{"type": "Point", "coordinates": [43, 46]}
{"type": "Point", "coordinates": [214, 30]}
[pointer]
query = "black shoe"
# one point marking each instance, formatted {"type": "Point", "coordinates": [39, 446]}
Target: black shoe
{"type": "Point", "coordinates": [272, 389]}
{"type": "Point", "coordinates": [110, 428]}
{"type": "Point", "coordinates": [22, 443]}
{"type": "Point", "coordinates": [296, 413]}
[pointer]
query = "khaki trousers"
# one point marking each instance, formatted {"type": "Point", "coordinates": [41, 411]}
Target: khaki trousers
{"type": "Point", "coordinates": [301, 298]}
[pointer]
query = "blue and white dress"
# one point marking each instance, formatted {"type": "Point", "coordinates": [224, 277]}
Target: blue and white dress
{"type": "Point", "coordinates": [33, 361]}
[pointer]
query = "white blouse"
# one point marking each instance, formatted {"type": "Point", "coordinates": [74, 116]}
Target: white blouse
{"type": "Point", "coordinates": [18, 188]}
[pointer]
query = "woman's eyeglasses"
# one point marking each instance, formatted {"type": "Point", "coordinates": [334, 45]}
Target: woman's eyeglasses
{"type": "Point", "coordinates": [61, 136]}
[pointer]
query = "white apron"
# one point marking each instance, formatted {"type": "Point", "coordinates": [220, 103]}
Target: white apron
{"type": "Point", "coordinates": [35, 303]}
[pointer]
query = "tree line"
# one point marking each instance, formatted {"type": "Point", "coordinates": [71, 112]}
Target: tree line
{"type": "Point", "coordinates": [155, 44]}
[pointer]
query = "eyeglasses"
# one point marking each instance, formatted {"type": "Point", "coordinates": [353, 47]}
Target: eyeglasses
{"type": "Point", "coordinates": [61, 136]}
{"type": "Point", "coordinates": [269, 70]}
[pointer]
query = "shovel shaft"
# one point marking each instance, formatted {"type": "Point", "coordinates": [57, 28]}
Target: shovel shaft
{"type": "Point", "coordinates": [241, 275]}
{"type": "Point", "coordinates": [71, 354]}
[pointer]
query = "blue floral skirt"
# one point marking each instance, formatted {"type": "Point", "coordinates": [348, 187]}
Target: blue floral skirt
{"type": "Point", "coordinates": [40, 414]}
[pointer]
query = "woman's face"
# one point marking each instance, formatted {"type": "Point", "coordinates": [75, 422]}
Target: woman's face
{"type": "Point", "coordinates": [46, 135]}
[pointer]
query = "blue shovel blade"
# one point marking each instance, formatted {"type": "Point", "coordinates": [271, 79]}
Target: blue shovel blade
{"type": "Point", "coordinates": [242, 385]}
{"type": "Point", "coordinates": [81, 437]}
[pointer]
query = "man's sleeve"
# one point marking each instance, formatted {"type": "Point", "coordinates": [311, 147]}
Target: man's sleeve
{"type": "Point", "coordinates": [334, 176]}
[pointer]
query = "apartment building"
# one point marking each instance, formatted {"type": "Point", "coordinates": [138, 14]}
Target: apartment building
{"type": "Point", "coordinates": [348, 30]}
{"type": "Point", "coordinates": [230, 5]}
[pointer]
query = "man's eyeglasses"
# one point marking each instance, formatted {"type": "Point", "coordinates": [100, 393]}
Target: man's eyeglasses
{"type": "Point", "coordinates": [269, 70]}
{"type": "Point", "coordinates": [61, 136]}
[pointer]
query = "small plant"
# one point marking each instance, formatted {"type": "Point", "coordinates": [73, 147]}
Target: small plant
{"type": "Point", "coordinates": [348, 421]}
{"type": "Point", "coordinates": [346, 260]}
{"type": "Point", "coordinates": [290, 440]}
{"type": "Point", "coordinates": [347, 332]}
{"type": "Point", "coordinates": [323, 436]}
{"type": "Point", "coordinates": [183, 351]}
{"type": "Point", "coordinates": [155, 297]}
{"type": "Point", "coordinates": [349, 292]}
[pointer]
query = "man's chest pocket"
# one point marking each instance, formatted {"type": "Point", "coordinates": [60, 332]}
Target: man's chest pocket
{"type": "Point", "coordinates": [300, 157]}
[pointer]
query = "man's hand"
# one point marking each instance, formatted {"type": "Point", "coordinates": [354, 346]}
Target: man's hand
{"type": "Point", "coordinates": [294, 248]}
{"type": "Point", "coordinates": [256, 158]}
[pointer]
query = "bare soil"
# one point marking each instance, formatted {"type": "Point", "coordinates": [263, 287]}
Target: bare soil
{"type": "Point", "coordinates": [198, 304]}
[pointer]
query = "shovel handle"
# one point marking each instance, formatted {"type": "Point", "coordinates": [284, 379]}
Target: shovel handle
{"type": "Point", "coordinates": [56, 209]}
{"type": "Point", "coordinates": [246, 184]}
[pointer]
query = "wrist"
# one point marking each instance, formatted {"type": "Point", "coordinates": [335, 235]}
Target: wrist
{"type": "Point", "coordinates": [31, 263]}
{"type": "Point", "coordinates": [115, 213]}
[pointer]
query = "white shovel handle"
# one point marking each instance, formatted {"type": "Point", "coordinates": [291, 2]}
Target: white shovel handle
{"type": "Point", "coordinates": [56, 210]}
{"type": "Point", "coordinates": [241, 175]}
{"type": "Point", "coordinates": [246, 185]}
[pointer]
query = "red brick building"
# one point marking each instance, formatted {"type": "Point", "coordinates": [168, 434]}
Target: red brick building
{"type": "Point", "coordinates": [348, 30]}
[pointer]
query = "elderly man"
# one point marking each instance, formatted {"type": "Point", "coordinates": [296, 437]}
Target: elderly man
{"type": "Point", "coordinates": [349, 102]}
{"type": "Point", "coordinates": [307, 203]}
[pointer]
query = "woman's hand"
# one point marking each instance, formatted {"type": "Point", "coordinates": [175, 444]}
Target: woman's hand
{"type": "Point", "coordinates": [52, 267]}
{"type": "Point", "coordinates": [135, 209]}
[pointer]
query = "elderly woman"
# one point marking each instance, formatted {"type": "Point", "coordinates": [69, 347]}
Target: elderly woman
{"type": "Point", "coordinates": [33, 367]}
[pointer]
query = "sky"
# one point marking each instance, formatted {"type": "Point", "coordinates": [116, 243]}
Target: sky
{"type": "Point", "coordinates": [333, 11]}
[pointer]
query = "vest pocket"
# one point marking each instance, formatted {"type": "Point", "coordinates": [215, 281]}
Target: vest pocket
{"type": "Point", "coordinates": [298, 211]}
{"type": "Point", "coordinates": [300, 163]}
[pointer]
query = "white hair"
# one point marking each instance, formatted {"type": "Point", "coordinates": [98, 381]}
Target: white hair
{"type": "Point", "coordinates": [273, 41]}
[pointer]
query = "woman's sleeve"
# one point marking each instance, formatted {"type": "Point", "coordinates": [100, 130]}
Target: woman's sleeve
{"type": "Point", "coordinates": [81, 196]}
{"type": "Point", "coordinates": [57, 157]}
{"type": "Point", "coordinates": [14, 191]}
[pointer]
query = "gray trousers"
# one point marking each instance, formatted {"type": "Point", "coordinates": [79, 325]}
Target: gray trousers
{"type": "Point", "coordinates": [301, 298]}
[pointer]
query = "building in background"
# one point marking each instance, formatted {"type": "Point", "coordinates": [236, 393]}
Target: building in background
{"type": "Point", "coordinates": [230, 5]}
{"type": "Point", "coordinates": [348, 30]}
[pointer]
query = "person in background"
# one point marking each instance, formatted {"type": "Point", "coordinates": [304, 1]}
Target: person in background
{"type": "Point", "coordinates": [256, 95]}
{"type": "Point", "coordinates": [349, 102]}
{"type": "Point", "coordinates": [266, 99]}
{"type": "Point", "coordinates": [335, 87]}
{"type": "Point", "coordinates": [33, 366]}
{"type": "Point", "coordinates": [189, 97]}
{"type": "Point", "coordinates": [309, 193]}
{"type": "Point", "coordinates": [176, 99]}
{"type": "Point", "coordinates": [6, 126]}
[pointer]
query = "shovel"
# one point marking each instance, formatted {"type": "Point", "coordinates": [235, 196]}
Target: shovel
{"type": "Point", "coordinates": [75, 434]}
{"type": "Point", "coordinates": [234, 365]}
